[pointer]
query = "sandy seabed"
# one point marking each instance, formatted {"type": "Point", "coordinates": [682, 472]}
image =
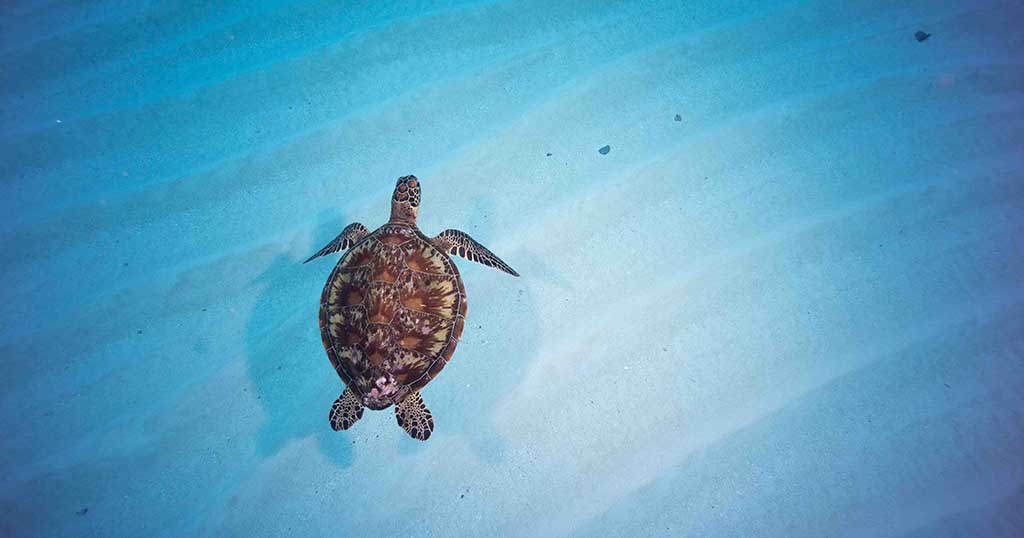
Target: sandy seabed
{"type": "Point", "coordinates": [796, 309]}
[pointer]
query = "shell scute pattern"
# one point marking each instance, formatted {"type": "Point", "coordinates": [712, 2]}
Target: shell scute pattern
{"type": "Point", "coordinates": [409, 366]}
{"type": "Point", "coordinates": [353, 357]}
{"type": "Point", "coordinates": [428, 293]}
{"type": "Point", "coordinates": [425, 333]}
{"type": "Point", "coordinates": [360, 255]}
{"type": "Point", "coordinates": [388, 263]}
{"type": "Point", "coordinates": [425, 258]}
{"type": "Point", "coordinates": [382, 302]}
{"type": "Point", "coordinates": [394, 306]}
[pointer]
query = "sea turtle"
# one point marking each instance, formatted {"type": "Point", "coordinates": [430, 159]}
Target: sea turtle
{"type": "Point", "coordinates": [392, 311]}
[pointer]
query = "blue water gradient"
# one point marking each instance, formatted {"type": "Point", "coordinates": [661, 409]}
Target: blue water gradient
{"type": "Point", "coordinates": [797, 310]}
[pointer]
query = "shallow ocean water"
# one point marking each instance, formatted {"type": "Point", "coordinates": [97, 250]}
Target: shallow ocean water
{"type": "Point", "coordinates": [796, 309]}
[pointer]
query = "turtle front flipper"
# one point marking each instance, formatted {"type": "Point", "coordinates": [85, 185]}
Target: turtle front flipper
{"type": "Point", "coordinates": [461, 244]}
{"type": "Point", "coordinates": [348, 237]}
{"type": "Point", "coordinates": [414, 417]}
{"type": "Point", "coordinates": [347, 409]}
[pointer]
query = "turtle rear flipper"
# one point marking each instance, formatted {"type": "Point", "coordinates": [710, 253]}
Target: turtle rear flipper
{"type": "Point", "coordinates": [347, 409]}
{"type": "Point", "coordinates": [414, 417]}
{"type": "Point", "coordinates": [348, 237]}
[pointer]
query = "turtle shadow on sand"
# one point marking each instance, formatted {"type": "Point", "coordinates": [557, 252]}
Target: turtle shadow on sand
{"type": "Point", "coordinates": [291, 377]}
{"type": "Point", "coordinates": [295, 384]}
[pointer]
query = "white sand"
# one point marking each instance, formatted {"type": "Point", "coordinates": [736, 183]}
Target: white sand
{"type": "Point", "coordinates": [796, 312]}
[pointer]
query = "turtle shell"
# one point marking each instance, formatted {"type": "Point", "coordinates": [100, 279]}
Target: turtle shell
{"type": "Point", "coordinates": [391, 314]}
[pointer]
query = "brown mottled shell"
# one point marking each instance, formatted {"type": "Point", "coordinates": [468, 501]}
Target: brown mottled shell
{"type": "Point", "coordinates": [394, 304]}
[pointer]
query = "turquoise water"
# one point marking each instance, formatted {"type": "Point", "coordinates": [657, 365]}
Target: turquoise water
{"type": "Point", "coordinates": [797, 310]}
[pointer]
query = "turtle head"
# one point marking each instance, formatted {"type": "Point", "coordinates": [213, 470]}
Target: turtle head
{"type": "Point", "coordinates": [405, 203]}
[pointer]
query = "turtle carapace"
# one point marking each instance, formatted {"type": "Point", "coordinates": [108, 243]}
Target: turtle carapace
{"type": "Point", "coordinates": [393, 310]}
